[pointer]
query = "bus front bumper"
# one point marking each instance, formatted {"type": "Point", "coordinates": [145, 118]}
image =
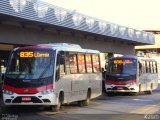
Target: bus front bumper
{"type": "Point", "coordinates": [30, 99]}
{"type": "Point", "coordinates": [121, 88]}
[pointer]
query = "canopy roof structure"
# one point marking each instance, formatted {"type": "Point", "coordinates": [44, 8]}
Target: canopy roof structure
{"type": "Point", "coordinates": [47, 15]}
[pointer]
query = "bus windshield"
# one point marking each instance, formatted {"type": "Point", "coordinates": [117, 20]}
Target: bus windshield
{"type": "Point", "coordinates": [31, 64]}
{"type": "Point", "coordinates": [123, 66]}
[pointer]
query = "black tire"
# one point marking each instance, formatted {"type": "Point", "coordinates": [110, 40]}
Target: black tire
{"type": "Point", "coordinates": [80, 103]}
{"type": "Point", "coordinates": [57, 107]}
{"type": "Point", "coordinates": [149, 92]}
{"type": "Point", "coordinates": [110, 94]}
{"type": "Point", "coordinates": [133, 93]}
{"type": "Point", "coordinates": [87, 101]}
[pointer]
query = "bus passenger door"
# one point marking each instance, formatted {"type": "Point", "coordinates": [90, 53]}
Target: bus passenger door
{"type": "Point", "coordinates": [63, 81]}
{"type": "Point", "coordinates": [141, 75]}
{"type": "Point", "coordinates": [73, 75]}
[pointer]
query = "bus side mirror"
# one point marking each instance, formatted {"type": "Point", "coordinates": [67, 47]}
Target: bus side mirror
{"type": "Point", "coordinates": [62, 53]}
{"type": "Point", "coordinates": [5, 64]}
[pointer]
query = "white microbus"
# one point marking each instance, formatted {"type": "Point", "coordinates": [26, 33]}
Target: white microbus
{"type": "Point", "coordinates": [131, 74]}
{"type": "Point", "coordinates": [52, 74]}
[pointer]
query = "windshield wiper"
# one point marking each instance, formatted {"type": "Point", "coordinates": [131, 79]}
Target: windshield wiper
{"type": "Point", "coordinates": [20, 73]}
{"type": "Point", "coordinates": [45, 69]}
{"type": "Point", "coordinates": [128, 74]}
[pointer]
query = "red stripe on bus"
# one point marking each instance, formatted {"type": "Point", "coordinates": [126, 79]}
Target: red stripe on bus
{"type": "Point", "coordinates": [120, 82]}
{"type": "Point", "coordinates": [28, 90]}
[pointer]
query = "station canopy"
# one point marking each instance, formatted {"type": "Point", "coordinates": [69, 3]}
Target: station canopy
{"type": "Point", "coordinates": [50, 16]}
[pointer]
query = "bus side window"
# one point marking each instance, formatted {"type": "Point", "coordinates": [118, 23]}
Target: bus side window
{"type": "Point", "coordinates": [67, 63]}
{"type": "Point", "coordinates": [143, 67]}
{"type": "Point", "coordinates": [156, 67]}
{"type": "Point", "coordinates": [88, 63]}
{"type": "Point", "coordinates": [60, 66]}
{"type": "Point", "coordinates": [140, 68]}
{"type": "Point", "coordinates": [147, 67]}
{"type": "Point", "coordinates": [81, 63]}
{"type": "Point", "coordinates": [150, 67]}
{"type": "Point", "coordinates": [73, 63]}
{"type": "Point", "coordinates": [96, 63]}
{"type": "Point", "coordinates": [153, 65]}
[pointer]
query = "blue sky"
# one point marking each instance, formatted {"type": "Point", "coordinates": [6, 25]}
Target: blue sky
{"type": "Point", "coordinates": [138, 14]}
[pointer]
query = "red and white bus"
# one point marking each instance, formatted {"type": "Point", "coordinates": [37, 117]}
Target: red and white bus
{"type": "Point", "coordinates": [52, 74]}
{"type": "Point", "coordinates": [131, 74]}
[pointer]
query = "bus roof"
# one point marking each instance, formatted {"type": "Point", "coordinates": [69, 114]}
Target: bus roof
{"type": "Point", "coordinates": [61, 46]}
{"type": "Point", "coordinates": [125, 56]}
{"type": "Point", "coordinates": [133, 57]}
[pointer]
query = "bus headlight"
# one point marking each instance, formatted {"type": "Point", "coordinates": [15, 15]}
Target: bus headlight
{"type": "Point", "coordinates": [47, 92]}
{"type": "Point", "coordinates": [107, 83]}
{"type": "Point", "coordinates": [131, 84]}
{"type": "Point", "coordinates": [8, 92]}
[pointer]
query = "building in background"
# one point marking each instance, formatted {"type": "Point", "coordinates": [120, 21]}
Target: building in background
{"type": "Point", "coordinates": [151, 51]}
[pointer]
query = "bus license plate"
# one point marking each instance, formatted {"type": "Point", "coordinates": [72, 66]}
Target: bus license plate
{"type": "Point", "coordinates": [120, 88]}
{"type": "Point", "coordinates": [26, 98]}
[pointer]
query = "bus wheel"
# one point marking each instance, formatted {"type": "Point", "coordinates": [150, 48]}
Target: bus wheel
{"type": "Point", "coordinates": [110, 94]}
{"type": "Point", "coordinates": [87, 101]}
{"type": "Point", "coordinates": [57, 107]}
{"type": "Point", "coordinates": [133, 93]}
{"type": "Point", "coordinates": [149, 92]}
{"type": "Point", "coordinates": [80, 103]}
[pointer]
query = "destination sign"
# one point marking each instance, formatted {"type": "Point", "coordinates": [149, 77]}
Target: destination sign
{"type": "Point", "coordinates": [122, 61]}
{"type": "Point", "coordinates": [33, 54]}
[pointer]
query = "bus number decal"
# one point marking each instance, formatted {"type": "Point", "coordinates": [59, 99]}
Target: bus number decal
{"type": "Point", "coordinates": [32, 54]}
{"type": "Point", "coordinates": [122, 61]}
{"type": "Point", "coordinates": [26, 54]}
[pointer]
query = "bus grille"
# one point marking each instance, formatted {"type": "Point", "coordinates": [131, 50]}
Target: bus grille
{"type": "Point", "coordinates": [116, 88]}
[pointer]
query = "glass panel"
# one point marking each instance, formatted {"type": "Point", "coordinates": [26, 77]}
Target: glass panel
{"type": "Point", "coordinates": [123, 66]}
{"type": "Point", "coordinates": [73, 63]}
{"type": "Point", "coordinates": [96, 64]}
{"type": "Point", "coordinates": [88, 63]}
{"type": "Point", "coordinates": [31, 64]}
{"type": "Point", "coordinates": [81, 64]}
